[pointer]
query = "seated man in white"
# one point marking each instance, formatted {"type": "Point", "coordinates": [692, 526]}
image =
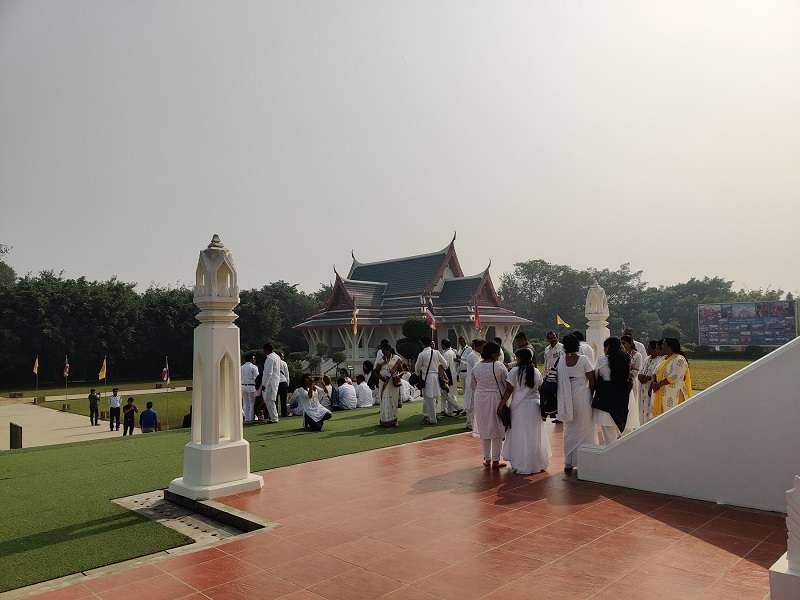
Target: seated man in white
{"type": "Point", "coordinates": [348, 399]}
{"type": "Point", "coordinates": [364, 397]}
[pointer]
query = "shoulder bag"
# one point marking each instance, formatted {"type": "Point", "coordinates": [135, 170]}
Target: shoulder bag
{"type": "Point", "coordinates": [504, 410]}
{"type": "Point", "coordinates": [548, 393]}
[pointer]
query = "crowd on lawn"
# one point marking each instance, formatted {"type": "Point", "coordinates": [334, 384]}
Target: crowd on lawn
{"type": "Point", "coordinates": [508, 402]}
{"type": "Point", "coordinates": [148, 418]}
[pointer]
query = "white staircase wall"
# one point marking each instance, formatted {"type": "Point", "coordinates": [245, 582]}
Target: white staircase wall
{"type": "Point", "coordinates": [737, 442]}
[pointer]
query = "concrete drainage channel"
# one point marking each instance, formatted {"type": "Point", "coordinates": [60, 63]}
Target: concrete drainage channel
{"type": "Point", "coordinates": [205, 521]}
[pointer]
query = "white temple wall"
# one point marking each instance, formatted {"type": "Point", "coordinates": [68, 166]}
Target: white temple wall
{"type": "Point", "coordinates": [737, 442]}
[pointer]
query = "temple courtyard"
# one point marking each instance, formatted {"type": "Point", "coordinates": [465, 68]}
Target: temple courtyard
{"type": "Point", "coordinates": [424, 520]}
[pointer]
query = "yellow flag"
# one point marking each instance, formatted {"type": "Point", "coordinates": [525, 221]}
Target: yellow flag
{"type": "Point", "coordinates": [102, 374]}
{"type": "Point", "coordinates": [36, 365]}
{"type": "Point", "coordinates": [562, 322]}
{"type": "Point", "coordinates": [354, 321]}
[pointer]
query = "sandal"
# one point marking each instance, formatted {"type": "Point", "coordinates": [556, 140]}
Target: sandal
{"type": "Point", "coordinates": [487, 463]}
{"type": "Point", "coordinates": [496, 464]}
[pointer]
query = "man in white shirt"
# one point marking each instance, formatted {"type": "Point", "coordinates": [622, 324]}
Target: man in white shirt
{"type": "Point", "coordinates": [429, 367]}
{"type": "Point", "coordinates": [379, 354]}
{"type": "Point", "coordinates": [499, 342]}
{"type": "Point", "coordinates": [553, 350]}
{"type": "Point", "coordinates": [270, 379]}
{"type": "Point", "coordinates": [585, 348]}
{"type": "Point", "coordinates": [450, 407]}
{"type": "Point", "coordinates": [364, 397]}
{"type": "Point", "coordinates": [462, 353]}
{"type": "Point", "coordinates": [473, 359]}
{"type": "Point", "coordinates": [114, 409]}
{"type": "Point", "coordinates": [348, 399]}
{"type": "Point", "coordinates": [283, 385]}
{"type": "Point", "coordinates": [249, 374]}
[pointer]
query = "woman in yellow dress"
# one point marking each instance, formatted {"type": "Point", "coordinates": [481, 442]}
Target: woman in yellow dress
{"type": "Point", "coordinates": [673, 380]}
{"type": "Point", "coordinates": [390, 370]}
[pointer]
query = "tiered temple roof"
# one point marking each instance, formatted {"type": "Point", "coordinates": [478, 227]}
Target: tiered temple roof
{"type": "Point", "coordinates": [388, 292]}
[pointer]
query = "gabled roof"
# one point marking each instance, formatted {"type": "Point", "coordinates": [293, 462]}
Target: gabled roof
{"type": "Point", "coordinates": [460, 291]}
{"type": "Point", "coordinates": [413, 275]}
{"type": "Point", "coordinates": [365, 293]}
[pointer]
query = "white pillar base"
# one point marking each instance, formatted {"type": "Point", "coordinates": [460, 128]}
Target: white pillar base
{"type": "Point", "coordinates": [214, 471]}
{"type": "Point", "coordinates": [209, 492]}
{"type": "Point", "coordinates": [784, 584]}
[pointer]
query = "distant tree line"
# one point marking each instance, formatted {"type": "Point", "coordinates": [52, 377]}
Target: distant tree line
{"type": "Point", "coordinates": [538, 290]}
{"type": "Point", "coordinates": [52, 316]}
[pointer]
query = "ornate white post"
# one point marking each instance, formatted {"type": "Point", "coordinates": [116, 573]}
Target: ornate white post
{"type": "Point", "coordinates": [597, 316]}
{"type": "Point", "coordinates": [784, 575]}
{"type": "Point", "coordinates": [216, 461]}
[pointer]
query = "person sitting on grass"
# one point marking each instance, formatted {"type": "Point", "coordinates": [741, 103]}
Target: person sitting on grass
{"type": "Point", "coordinates": [363, 393]}
{"type": "Point", "coordinates": [305, 402]}
{"type": "Point", "coordinates": [128, 417]}
{"type": "Point", "coordinates": [347, 398]}
{"type": "Point", "coordinates": [148, 419]}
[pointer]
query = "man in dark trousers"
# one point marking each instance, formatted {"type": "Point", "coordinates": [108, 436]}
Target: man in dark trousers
{"type": "Point", "coordinates": [129, 417]}
{"type": "Point", "coordinates": [114, 409]}
{"type": "Point", "coordinates": [94, 407]}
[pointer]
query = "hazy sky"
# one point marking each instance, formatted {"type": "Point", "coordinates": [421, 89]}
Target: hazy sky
{"type": "Point", "coordinates": [589, 133]}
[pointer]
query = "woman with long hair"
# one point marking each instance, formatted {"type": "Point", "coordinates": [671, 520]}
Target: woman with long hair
{"type": "Point", "coordinates": [575, 385]}
{"type": "Point", "coordinates": [673, 380]}
{"type": "Point", "coordinates": [637, 363]}
{"type": "Point", "coordinates": [305, 403]}
{"type": "Point", "coordinates": [488, 384]}
{"type": "Point", "coordinates": [612, 391]}
{"type": "Point", "coordinates": [527, 445]}
{"type": "Point", "coordinates": [390, 371]}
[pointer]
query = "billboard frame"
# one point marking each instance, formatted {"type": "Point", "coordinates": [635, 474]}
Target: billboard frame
{"type": "Point", "coordinates": [796, 304]}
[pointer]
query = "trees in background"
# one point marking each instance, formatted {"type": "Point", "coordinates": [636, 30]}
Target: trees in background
{"type": "Point", "coordinates": [538, 290]}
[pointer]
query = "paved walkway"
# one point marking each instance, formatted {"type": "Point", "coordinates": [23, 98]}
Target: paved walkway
{"type": "Point", "coordinates": [44, 426]}
{"type": "Point", "coordinates": [425, 521]}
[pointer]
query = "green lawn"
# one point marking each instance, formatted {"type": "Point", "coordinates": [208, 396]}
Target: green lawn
{"type": "Point", "coordinates": [170, 406]}
{"type": "Point", "coordinates": [57, 517]}
{"type": "Point", "coordinates": [84, 389]}
{"type": "Point", "coordinates": [707, 372]}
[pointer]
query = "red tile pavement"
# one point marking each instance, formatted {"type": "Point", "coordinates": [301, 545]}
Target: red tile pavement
{"type": "Point", "coordinates": [426, 521]}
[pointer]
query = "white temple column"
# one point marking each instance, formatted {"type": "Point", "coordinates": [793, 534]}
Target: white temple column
{"type": "Point", "coordinates": [216, 462]}
{"type": "Point", "coordinates": [597, 319]}
{"type": "Point", "coordinates": [784, 575]}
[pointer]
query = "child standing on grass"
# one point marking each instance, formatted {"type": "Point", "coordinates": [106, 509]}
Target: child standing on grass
{"type": "Point", "coordinates": [128, 417]}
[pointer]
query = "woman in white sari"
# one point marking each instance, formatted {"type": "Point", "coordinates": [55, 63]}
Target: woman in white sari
{"type": "Point", "coordinates": [527, 445]}
{"type": "Point", "coordinates": [637, 362]}
{"type": "Point", "coordinates": [305, 403]}
{"type": "Point", "coordinates": [390, 371]}
{"type": "Point", "coordinates": [488, 384]}
{"type": "Point", "coordinates": [645, 380]}
{"type": "Point", "coordinates": [575, 384]}
{"type": "Point", "coordinates": [673, 379]}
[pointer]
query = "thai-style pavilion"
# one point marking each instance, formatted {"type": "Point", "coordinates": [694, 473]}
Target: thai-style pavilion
{"type": "Point", "coordinates": [386, 293]}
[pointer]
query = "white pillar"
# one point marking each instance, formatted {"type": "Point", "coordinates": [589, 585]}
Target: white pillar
{"type": "Point", "coordinates": [597, 319]}
{"type": "Point", "coordinates": [216, 462]}
{"type": "Point", "coordinates": [784, 575]}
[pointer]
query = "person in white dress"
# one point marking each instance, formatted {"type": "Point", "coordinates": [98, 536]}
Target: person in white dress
{"type": "Point", "coordinates": [249, 374]}
{"type": "Point", "coordinates": [392, 386]}
{"type": "Point", "coordinates": [637, 362]}
{"type": "Point", "coordinates": [640, 347]}
{"type": "Point", "coordinates": [488, 383]}
{"type": "Point", "coordinates": [305, 402]}
{"type": "Point", "coordinates": [364, 397]}
{"type": "Point", "coordinates": [462, 353]}
{"type": "Point", "coordinates": [429, 367]}
{"type": "Point", "coordinates": [527, 445]}
{"type": "Point", "coordinates": [553, 350]}
{"type": "Point", "coordinates": [348, 399]}
{"type": "Point", "coordinates": [270, 379]}
{"type": "Point", "coordinates": [612, 396]}
{"type": "Point", "coordinates": [473, 358]}
{"type": "Point", "coordinates": [324, 391]}
{"type": "Point", "coordinates": [585, 347]}
{"type": "Point", "coordinates": [575, 384]}
{"type": "Point", "coordinates": [645, 380]}
{"type": "Point", "coordinates": [448, 399]}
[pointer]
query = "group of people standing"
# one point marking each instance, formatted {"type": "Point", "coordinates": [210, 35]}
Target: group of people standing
{"type": "Point", "coordinates": [148, 418]}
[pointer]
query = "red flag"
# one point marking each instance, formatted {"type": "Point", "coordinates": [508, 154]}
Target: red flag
{"type": "Point", "coordinates": [66, 367]}
{"type": "Point", "coordinates": [429, 316]}
{"type": "Point", "coordinates": [165, 371]}
{"type": "Point", "coordinates": [477, 317]}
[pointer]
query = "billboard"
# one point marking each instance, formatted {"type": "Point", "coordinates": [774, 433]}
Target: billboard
{"type": "Point", "coordinates": [747, 323]}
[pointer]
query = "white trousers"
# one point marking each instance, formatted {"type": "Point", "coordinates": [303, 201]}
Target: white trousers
{"type": "Point", "coordinates": [429, 407]}
{"type": "Point", "coordinates": [248, 401]}
{"type": "Point", "coordinates": [270, 394]}
{"type": "Point", "coordinates": [448, 401]}
{"type": "Point", "coordinates": [491, 448]}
